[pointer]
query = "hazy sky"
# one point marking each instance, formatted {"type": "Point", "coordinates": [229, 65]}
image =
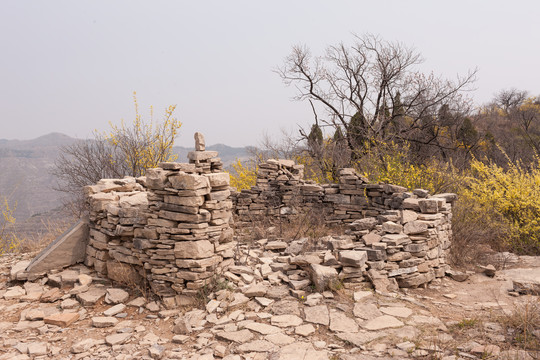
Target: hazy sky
{"type": "Point", "coordinates": [71, 66]}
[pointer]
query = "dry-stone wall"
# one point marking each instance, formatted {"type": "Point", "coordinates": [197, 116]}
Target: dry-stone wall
{"type": "Point", "coordinates": [395, 237]}
{"type": "Point", "coordinates": [171, 227]}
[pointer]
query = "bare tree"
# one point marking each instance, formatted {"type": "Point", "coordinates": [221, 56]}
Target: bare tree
{"type": "Point", "coordinates": [83, 163]}
{"type": "Point", "coordinates": [510, 99]}
{"type": "Point", "coordinates": [126, 150]}
{"type": "Point", "coordinates": [372, 92]}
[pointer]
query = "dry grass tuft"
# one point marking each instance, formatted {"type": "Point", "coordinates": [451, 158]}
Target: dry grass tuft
{"type": "Point", "coordinates": [523, 324]}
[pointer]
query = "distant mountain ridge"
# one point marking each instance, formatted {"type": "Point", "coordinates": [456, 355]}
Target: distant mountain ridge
{"type": "Point", "coordinates": [25, 171]}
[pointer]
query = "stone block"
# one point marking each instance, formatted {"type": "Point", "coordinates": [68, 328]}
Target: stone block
{"type": "Point", "coordinates": [193, 249]}
{"type": "Point", "coordinates": [395, 239]}
{"type": "Point", "coordinates": [415, 227]}
{"type": "Point", "coordinates": [201, 155]}
{"type": "Point", "coordinates": [371, 238]}
{"type": "Point", "coordinates": [353, 258]}
{"type": "Point", "coordinates": [200, 144]}
{"type": "Point", "coordinates": [184, 200]}
{"type": "Point", "coordinates": [218, 180]}
{"type": "Point", "coordinates": [428, 206]}
{"type": "Point", "coordinates": [68, 249]}
{"type": "Point", "coordinates": [411, 203]}
{"type": "Point", "coordinates": [189, 182]}
{"type": "Point", "coordinates": [364, 224]}
{"type": "Point", "coordinates": [219, 195]}
{"type": "Point", "coordinates": [322, 277]}
{"type": "Point", "coordinates": [391, 227]}
{"type": "Point", "coordinates": [182, 217]}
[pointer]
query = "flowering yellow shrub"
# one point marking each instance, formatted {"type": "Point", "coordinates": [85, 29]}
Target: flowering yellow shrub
{"type": "Point", "coordinates": [243, 175]}
{"type": "Point", "coordinates": [515, 194]}
{"type": "Point", "coordinates": [390, 164]}
{"type": "Point", "coordinates": [9, 242]}
{"type": "Point", "coordinates": [145, 144]}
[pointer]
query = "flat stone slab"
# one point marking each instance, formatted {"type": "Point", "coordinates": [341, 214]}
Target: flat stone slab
{"type": "Point", "coordinates": [14, 292]}
{"type": "Point", "coordinates": [301, 351]}
{"type": "Point", "coordinates": [286, 320]}
{"type": "Point", "coordinates": [264, 329]}
{"type": "Point", "coordinates": [103, 321]}
{"type": "Point", "coordinates": [304, 330]}
{"type": "Point", "coordinates": [91, 297]}
{"type": "Point", "coordinates": [360, 338]}
{"type": "Point", "coordinates": [116, 309]}
{"type": "Point", "coordinates": [280, 339]}
{"type": "Point", "coordinates": [366, 311]}
{"type": "Point", "coordinates": [240, 336]}
{"type": "Point", "coordinates": [317, 314]}
{"type": "Point", "coordinates": [382, 322]}
{"type": "Point", "coordinates": [63, 320]}
{"type": "Point", "coordinates": [340, 322]}
{"type": "Point", "coordinates": [116, 296]}
{"type": "Point", "coordinates": [37, 348]}
{"type": "Point", "coordinates": [117, 339]}
{"type": "Point", "coordinates": [257, 346]}
{"type": "Point", "coordinates": [398, 311]}
{"type": "Point", "coordinates": [68, 249]}
{"type": "Point", "coordinates": [360, 295]}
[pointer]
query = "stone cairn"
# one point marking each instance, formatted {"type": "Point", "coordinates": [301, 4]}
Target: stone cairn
{"type": "Point", "coordinates": [395, 237]}
{"type": "Point", "coordinates": [171, 227]}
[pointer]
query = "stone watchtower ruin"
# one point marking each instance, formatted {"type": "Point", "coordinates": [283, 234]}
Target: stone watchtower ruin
{"type": "Point", "coordinates": [173, 228]}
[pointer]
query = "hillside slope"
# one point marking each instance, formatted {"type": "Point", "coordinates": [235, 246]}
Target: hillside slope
{"type": "Point", "coordinates": [26, 179]}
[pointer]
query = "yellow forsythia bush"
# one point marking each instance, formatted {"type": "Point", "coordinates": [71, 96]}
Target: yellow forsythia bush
{"type": "Point", "coordinates": [243, 175]}
{"type": "Point", "coordinates": [9, 242]}
{"type": "Point", "coordinates": [390, 164]}
{"type": "Point", "coordinates": [514, 193]}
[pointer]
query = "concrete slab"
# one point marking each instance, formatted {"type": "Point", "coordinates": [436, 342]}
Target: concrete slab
{"type": "Point", "coordinates": [68, 249]}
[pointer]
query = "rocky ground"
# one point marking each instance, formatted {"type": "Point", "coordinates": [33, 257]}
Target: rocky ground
{"type": "Point", "coordinates": [75, 314]}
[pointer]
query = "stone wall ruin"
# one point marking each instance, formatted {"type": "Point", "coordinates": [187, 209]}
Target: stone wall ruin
{"type": "Point", "coordinates": [394, 235]}
{"type": "Point", "coordinates": [173, 227]}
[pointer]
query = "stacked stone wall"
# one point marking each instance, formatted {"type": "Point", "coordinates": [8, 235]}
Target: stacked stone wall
{"type": "Point", "coordinates": [401, 237]}
{"type": "Point", "coordinates": [171, 227]}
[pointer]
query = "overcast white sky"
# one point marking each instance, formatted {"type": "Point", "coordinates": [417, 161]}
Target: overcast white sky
{"type": "Point", "coordinates": [71, 66]}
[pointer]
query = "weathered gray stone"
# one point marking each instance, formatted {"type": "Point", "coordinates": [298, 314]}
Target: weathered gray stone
{"type": "Point", "coordinates": [37, 348]}
{"type": "Point", "coordinates": [240, 336]}
{"type": "Point", "coordinates": [68, 249]}
{"type": "Point", "coordinates": [117, 339]}
{"type": "Point", "coordinates": [382, 322]}
{"type": "Point", "coordinates": [391, 227]}
{"type": "Point", "coordinates": [218, 180]}
{"type": "Point", "coordinates": [200, 144]}
{"type": "Point", "coordinates": [286, 320]}
{"type": "Point", "coordinates": [398, 311]}
{"type": "Point", "coordinates": [415, 227]}
{"type": "Point", "coordinates": [317, 314]}
{"type": "Point", "coordinates": [353, 258]}
{"type": "Point", "coordinates": [62, 320]}
{"type": "Point", "coordinates": [340, 322]}
{"type": "Point", "coordinates": [322, 276]}
{"type": "Point", "coordinates": [264, 329]}
{"type": "Point", "coordinates": [116, 296]}
{"type": "Point", "coordinates": [428, 206]}
{"type": "Point", "coordinates": [193, 249]}
{"type": "Point", "coordinates": [116, 309]}
{"type": "Point", "coordinates": [257, 346]}
{"type": "Point", "coordinates": [189, 181]}
{"type": "Point", "coordinates": [103, 321]}
{"type": "Point", "coordinates": [91, 297]}
{"type": "Point", "coordinates": [300, 351]}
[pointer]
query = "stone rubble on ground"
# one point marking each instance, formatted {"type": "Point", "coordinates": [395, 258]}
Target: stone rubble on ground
{"type": "Point", "coordinates": [259, 319]}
